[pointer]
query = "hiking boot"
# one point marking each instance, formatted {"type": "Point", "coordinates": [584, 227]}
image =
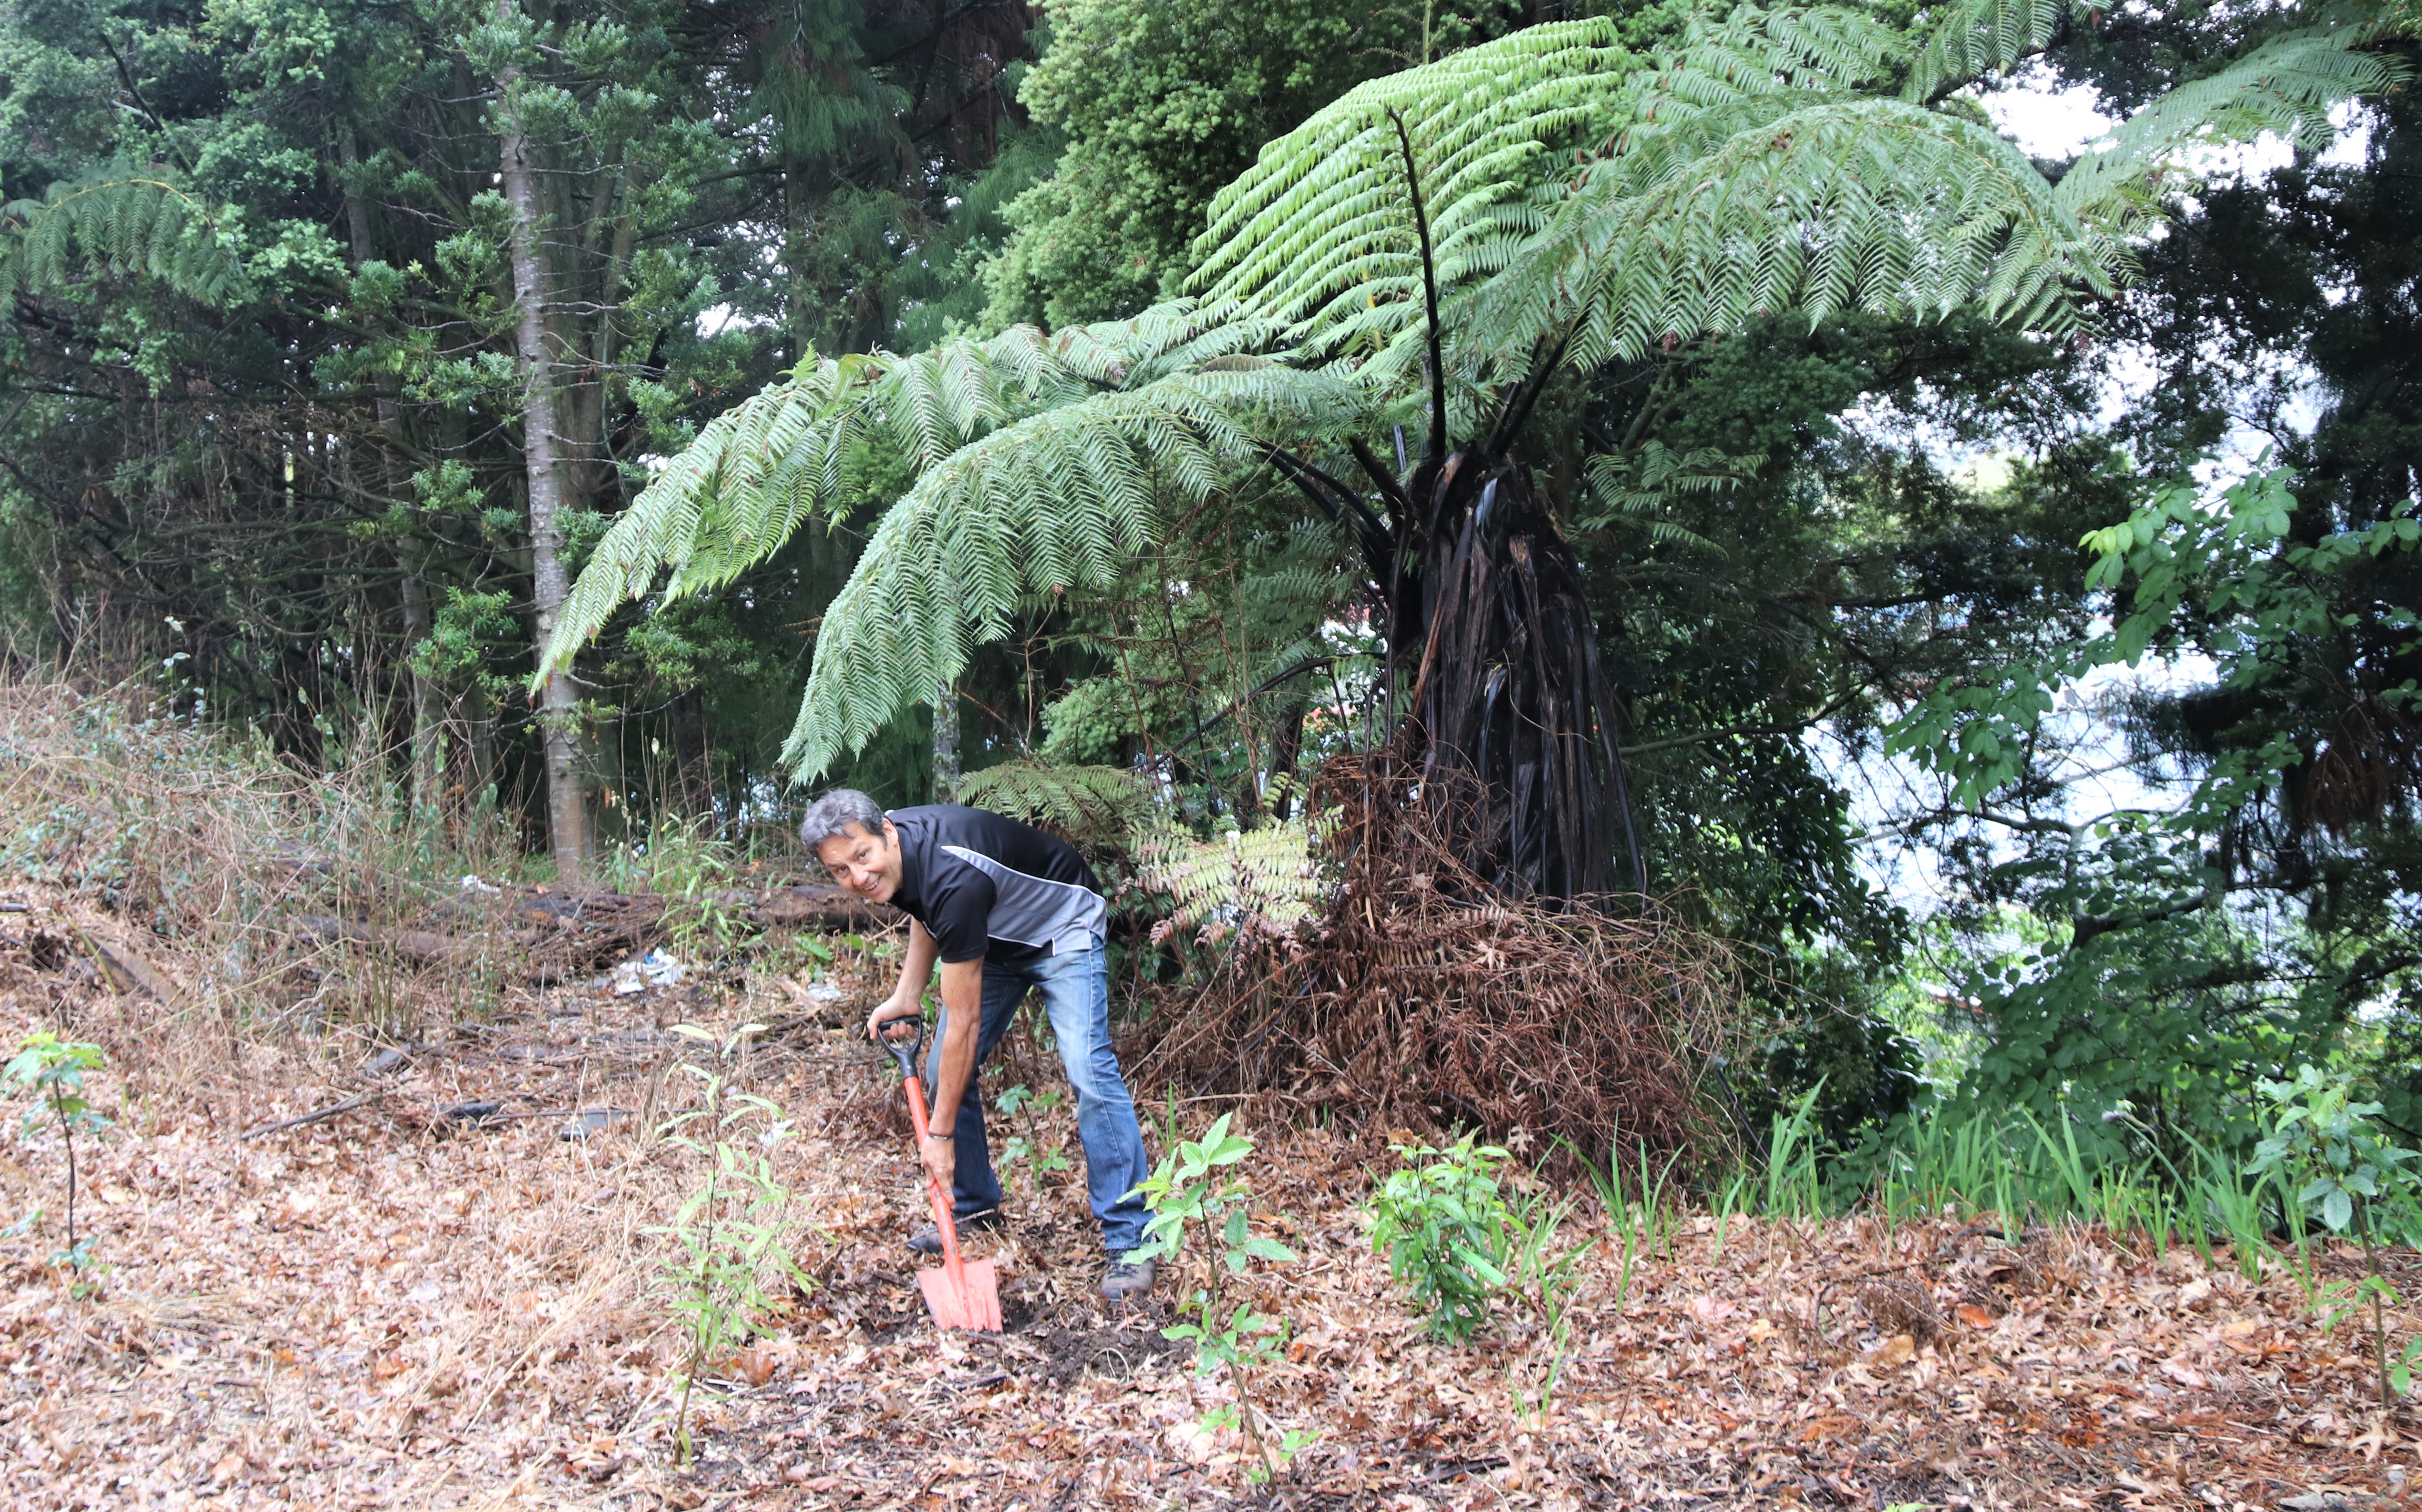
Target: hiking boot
{"type": "Point", "coordinates": [928, 1240]}
{"type": "Point", "coordinates": [1127, 1280]}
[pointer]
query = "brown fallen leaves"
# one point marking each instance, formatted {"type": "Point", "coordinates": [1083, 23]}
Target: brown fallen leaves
{"type": "Point", "coordinates": [391, 1308]}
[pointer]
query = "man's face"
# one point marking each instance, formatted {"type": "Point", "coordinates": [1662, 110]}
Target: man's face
{"type": "Point", "coordinates": [866, 863]}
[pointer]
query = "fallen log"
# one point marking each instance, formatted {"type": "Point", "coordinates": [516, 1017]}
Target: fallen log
{"type": "Point", "coordinates": [818, 906]}
{"type": "Point", "coordinates": [561, 935]}
{"type": "Point", "coordinates": [420, 946]}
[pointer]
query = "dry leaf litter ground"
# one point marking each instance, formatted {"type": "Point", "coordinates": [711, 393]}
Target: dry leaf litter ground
{"type": "Point", "coordinates": [390, 1308]}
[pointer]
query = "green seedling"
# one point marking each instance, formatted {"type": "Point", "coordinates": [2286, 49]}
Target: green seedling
{"type": "Point", "coordinates": [53, 1070]}
{"type": "Point", "coordinates": [2327, 1156]}
{"type": "Point", "coordinates": [1026, 1146]}
{"type": "Point", "coordinates": [728, 1234]}
{"type": "Point", "coordinates": [1444, 1229]}
{"type": "Point", "coordinates": [1198, 1184]}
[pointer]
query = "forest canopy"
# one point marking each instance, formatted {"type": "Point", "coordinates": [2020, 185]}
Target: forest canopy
{"type": "Point", "coordinates": [1986, 562]}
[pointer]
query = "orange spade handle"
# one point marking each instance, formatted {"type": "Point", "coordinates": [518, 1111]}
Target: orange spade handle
{"type": "Point", "coordinates": [942, 1222]}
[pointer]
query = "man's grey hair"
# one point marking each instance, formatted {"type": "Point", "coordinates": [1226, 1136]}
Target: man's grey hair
{"type": "Point", "coordinates": [835, 812]}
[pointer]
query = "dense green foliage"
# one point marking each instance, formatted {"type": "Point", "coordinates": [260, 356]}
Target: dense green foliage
{"type": "Point", "coordinates": [928, 354]}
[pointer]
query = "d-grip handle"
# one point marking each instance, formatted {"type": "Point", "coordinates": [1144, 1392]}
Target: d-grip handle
{"type": "Point", "coordinates": [905, 1052]}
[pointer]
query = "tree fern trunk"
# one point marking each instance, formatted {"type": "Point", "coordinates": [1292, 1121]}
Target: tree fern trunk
{"type": "Point", "coordinates": [541, 433]}
{"type": "Point", "coordinates": [1512, 721]}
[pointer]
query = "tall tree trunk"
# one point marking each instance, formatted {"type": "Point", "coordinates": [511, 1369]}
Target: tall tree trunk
{"type": "Point", "coordinates": [1508, 714]}
{"type": "Point", "coordinates": [567, 818]}
{"type": "Point", "coordinates": [945, 743]}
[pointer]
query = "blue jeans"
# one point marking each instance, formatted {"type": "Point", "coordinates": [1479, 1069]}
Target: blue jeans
{"type": "Point", "coordinates": [1077, 998]}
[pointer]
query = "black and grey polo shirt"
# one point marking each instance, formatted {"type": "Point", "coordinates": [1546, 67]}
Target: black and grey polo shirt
{"type": "Point", "coordinates": [988, 886]}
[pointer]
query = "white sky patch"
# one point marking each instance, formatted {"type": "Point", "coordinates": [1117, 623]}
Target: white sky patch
{"type": "Point", "coordinates": [2047, 119]}
{"type": "Point", "coordinates": [716, 319]}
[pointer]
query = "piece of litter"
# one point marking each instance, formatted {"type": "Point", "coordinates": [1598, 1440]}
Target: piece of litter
{"type": "Point", "coordinates": [472, 884]}
{"type": "Point", "coordinates": [631, 978]}
{"type": "Point", "coordinates": [427, 1292]}
{"type": "Point", "coordinates": [589, 1122]}
{"type": "Point", "coordinates": [473, 1114]}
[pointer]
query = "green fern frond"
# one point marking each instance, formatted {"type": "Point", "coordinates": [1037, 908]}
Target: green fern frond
{"type": "Point", "coordinates": [2287, 86]}
{"type": "Point", "coordinates": [120, 221]}
{"type": "Point", "coordinates": [1853, 204]}
{"type": "Point", "coordinates": [1319, 234]}
{"type": "Point", "coordinates": [1972, 39]}
{"type": "Point", "coordinates": [1086, 806]}
{"type": "Point", "coordinates": [1059, 500]}
{"type": "Point", "coordinates": [1637, 487]}
{"type": "Point", "coordinates": [1267, 876]}
{"type": "Point", "coordinates": [809, 445]}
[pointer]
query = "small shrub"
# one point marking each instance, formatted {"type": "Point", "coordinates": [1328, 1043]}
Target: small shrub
{"type": "Point", "coordinates": [2331, 1162]}
{"type": "Point", "coordinates": [1445, 1230]}
{"type": "Point", "coordinates": [729, 1232]}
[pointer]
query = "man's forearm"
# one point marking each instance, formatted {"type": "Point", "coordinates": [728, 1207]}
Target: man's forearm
{"type": "Point", "coordinates": [916, 965]}
{"type": "Point", "coordinates": [962, 1004]}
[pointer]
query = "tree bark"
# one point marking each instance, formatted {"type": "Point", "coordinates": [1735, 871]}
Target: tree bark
{"type": "Point", "coordinates": [945, 743]}
{"type": "Point", "coordinates": [567, 817]}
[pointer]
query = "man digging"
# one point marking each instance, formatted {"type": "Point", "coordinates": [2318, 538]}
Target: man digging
{"type": "Point", "coordinates": [1005, 908]}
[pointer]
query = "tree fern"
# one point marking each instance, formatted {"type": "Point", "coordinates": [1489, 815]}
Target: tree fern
{"type": "Point", "coordinates": [1582, 200]}
{"type": "Point", "coordinates": [119, 221]}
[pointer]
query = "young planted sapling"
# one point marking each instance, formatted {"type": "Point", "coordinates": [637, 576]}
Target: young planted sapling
{"type": "Point", "coordinates": [729, 1232]}
{"type": "Point", "coordinates": [53, 1070]}
{"type": "Point", "coordinates": [2331, 1162]}
{"type": "Point", "coordinates": [1198, 1183]}
{"type": "Point", "coordinates": [1022, 1103]}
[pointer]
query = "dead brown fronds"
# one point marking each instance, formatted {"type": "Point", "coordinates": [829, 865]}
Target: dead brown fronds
{"type": "Point", "coordinates": [1419, 997]}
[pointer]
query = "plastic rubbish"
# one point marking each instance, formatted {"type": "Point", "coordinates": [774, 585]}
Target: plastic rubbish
{"type": "Point", "coordinates": [634, 977]}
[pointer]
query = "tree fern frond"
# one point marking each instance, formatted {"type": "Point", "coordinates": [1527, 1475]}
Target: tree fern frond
{"type": "Point", "coordinates": [1061, 499]}
{"type": "Point", "coordinates": [1266, 876]}
{"type": "Point", "coordinates": [1972, 39]}
{"type": "Point", "coordinates": [1854, 204]}
{"type": "Point", "coordinates": [118, 221]}
{"type": "Point", "coordinates": [2288, 86]}
{"type": "Point", "coordinates": [1086, 806]}
{"type": "Point", "coordinates": [1319, 233]}
{"type": "Point", "coordinates": [1639, 486]}
{"type": "Point", "coordinates": [737, 494]}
